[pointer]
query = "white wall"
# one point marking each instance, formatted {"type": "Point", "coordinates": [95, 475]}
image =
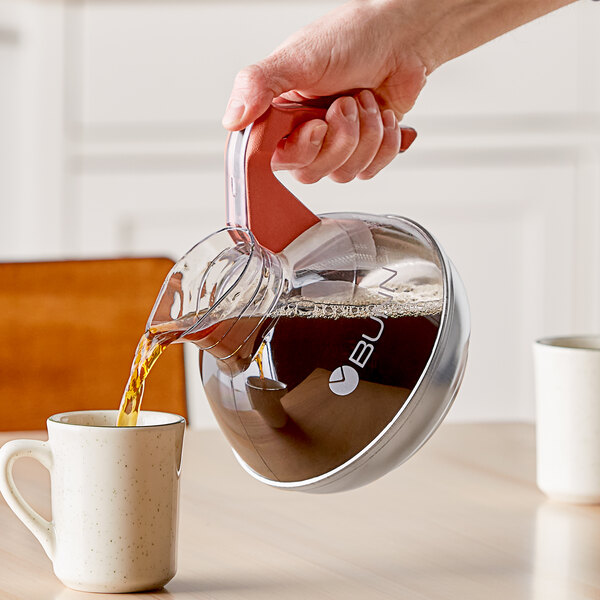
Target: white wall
{"type": "Point", "coordinates": [110, 144]}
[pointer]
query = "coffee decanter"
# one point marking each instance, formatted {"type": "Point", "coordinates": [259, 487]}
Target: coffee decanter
{"type": "Point", "coordinates": [332, 346]}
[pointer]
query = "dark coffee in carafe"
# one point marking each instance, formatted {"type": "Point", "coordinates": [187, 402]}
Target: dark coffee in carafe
{"type": "Point", "coordinates": [335, 378]}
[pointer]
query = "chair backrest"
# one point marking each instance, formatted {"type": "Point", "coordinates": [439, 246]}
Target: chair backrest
{"type": "Point", "coordinates": [68, 332]}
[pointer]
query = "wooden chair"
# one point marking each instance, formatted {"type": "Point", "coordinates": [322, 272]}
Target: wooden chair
{"type": "Point", "coordinates": [68, 332]}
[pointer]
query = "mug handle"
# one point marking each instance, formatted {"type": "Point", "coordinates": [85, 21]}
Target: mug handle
{"type": "Point", "coordinates": [9, 453]}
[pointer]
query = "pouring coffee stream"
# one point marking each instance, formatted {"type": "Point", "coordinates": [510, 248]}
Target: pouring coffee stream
{"type": "Point", "coordinates": [332, 346]}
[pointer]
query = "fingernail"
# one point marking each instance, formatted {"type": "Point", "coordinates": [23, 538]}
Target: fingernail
{"type": "Point", "coordinates": [233, 113]}
{"type": "Point", "coordinates": [318, 134]}
{"type": "Point", "coordinates": [349, 110]}
{"type": "Point", "coordinates": [389, 119]}
{"type": "Point", "coordinates": [408, 137]}
{"type": "Point", "coordinates": [368, 103]}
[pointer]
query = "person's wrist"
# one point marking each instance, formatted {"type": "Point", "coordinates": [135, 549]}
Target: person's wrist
{"type": "Point", "coordinates": [449, 28]}
{"type": "Point", "coordinates": [415, 28]}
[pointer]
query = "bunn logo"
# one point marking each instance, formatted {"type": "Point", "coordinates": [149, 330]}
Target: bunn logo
{"type": "Point", "coordinates": [345, 379]}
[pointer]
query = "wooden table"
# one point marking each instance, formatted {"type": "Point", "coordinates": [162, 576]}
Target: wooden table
{"type": "Point", "coordinates": [461, 520]}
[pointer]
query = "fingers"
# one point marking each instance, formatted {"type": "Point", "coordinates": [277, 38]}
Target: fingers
{"type": "Point", "coordinates": [389, 148]}
{"type": "Point", "coordinates": [252, 94]}
{"type": "Point", "coordinates": [301, 147]}
{"type": "Point", "coordinates": [340, 142]}
{"type": "Point", "coordinates": [395, 139]}
{"type": "Point", "coordinates": [358, 140]}
{"type": "Point", "coordinates": [255, 87]}
{"type": "Point", "coordinates": [371, 135]}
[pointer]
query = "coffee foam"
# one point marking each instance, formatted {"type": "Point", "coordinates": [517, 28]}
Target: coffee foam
{"type": "Point", "coordinates": [411, 301]}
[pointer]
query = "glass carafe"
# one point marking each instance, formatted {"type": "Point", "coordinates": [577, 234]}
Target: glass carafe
{"type": "Point", "coordinates": [332, 346]}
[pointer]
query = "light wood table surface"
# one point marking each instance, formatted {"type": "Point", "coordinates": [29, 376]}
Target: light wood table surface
{"type": "Point", "coordinates": [461, 520]}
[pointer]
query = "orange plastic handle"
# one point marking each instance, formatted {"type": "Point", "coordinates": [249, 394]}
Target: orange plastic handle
{"type": "Point", "coordinates": [275, 216]}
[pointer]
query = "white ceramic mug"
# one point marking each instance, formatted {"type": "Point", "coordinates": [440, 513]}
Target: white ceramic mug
{"type": "Point", "coordinates": [567, 381]}
{"type": "Point", "coordinates": [114, 500]}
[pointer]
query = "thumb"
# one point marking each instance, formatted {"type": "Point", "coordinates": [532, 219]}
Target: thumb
{"type": "Point", "coordinates": [255, 87]}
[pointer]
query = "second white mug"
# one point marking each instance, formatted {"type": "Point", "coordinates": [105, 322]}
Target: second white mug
{"type": "Point", "coordinates": [567, 381]}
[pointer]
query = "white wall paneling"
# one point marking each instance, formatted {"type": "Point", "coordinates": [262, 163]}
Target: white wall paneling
{"type": "Point", "coordinates": [31, 142]}
{"type": "Point", "coordinates": [145, 213]}
{"type": "Point", "coordinates": [111, 145]}
{"type": "Point", "coordinates": [172, 63]}
{"type": "Point", "coordinates": [9, 100]}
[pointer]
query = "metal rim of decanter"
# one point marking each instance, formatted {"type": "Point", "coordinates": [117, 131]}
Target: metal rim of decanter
{"type": "Point", "coordinates": [427, 405]}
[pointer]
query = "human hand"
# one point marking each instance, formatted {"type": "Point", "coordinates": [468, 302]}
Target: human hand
{"type": "Point", "coordinates": [385, 48]}
{"type": "Point", "coordinates": [357, 61]}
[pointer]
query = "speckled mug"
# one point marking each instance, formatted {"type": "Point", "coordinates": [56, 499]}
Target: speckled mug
{"type": "Point", "coordinates": [115, 497]}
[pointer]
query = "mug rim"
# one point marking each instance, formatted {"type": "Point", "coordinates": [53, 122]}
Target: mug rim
{"type": "Point", "coordinates": [589, 342]}
{"type": "Point", "coordinates": [175, 419]}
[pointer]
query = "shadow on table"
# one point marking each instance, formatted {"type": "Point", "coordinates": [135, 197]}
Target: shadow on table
{"type": "Point", "coordinates": [178, 587]}
{"type": "Point", "coordinates": [210, 584]}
